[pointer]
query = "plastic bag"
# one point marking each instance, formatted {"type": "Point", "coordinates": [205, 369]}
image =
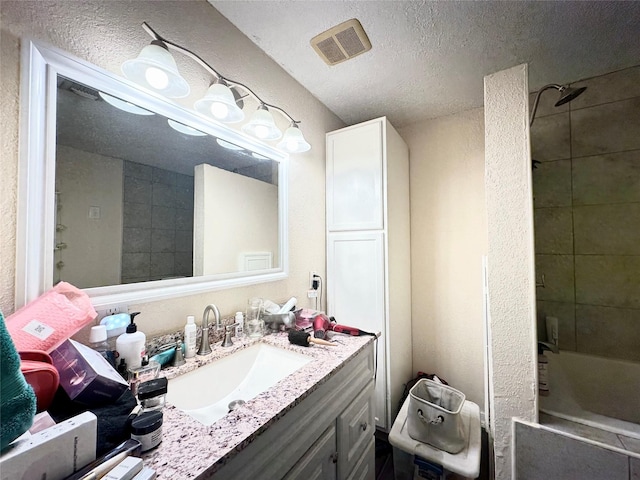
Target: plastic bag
{"type": "Point", "coordinates": [50, 319]}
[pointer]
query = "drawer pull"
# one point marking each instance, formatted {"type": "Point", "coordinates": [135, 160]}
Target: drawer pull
{"type": "Point", "coordinates": [363, 426]}
{"type": "Point", "coordinates": [334, 457]}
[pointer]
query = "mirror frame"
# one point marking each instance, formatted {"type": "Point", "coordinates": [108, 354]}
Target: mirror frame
{"type": "Point", "coordinates": [40, 66]}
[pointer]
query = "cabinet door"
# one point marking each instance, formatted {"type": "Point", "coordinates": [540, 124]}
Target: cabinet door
{"type": "Point", "coordinates": [355, 178]}
{"type": "Point", "coordinates": [319, 463]}
{"type": "Point", "coordinates": [356, 295]}
{"type": "Point", "coordinates": [365, 469]}
{"type": "Point", "coordinates": [356, 426]}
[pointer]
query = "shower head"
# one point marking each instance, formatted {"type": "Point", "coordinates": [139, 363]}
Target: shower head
{"type": "Point", "coordinates": [567, 94]}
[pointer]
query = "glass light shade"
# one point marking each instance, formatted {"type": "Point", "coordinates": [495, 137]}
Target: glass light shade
{"type": "Point", "coordinates": [229, 145]}
{"type": "Point", "coordinates": [182, 128]}
{"type": "Point", "coordinates": [293, 140]}
{"type": "Point", "coordinates": [262, 125]}
{"type": "Point", "coordinates": [123, 105]}
{"type": "Point", "coordinates": [156, 70]}
{"type": "Point", "coordinates": [220, 103]}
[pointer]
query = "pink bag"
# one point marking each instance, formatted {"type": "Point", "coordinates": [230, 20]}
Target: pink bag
{"type": "Point", "coordinates": [50, 319]}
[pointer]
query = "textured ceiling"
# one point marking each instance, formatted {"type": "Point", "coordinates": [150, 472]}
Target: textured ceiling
{"type": "Point", "coordinates": [88, 123]}
{"type": "Point", "coordinates": [429, 58]}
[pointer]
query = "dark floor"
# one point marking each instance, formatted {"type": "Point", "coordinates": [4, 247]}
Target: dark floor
{"type": "Point", "coordinates": [384, 457]}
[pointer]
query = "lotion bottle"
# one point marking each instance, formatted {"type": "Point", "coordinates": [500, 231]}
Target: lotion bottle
{"type": "Point", "coordinates": [240, 327]}
{"type": "Point", "coordinates": [131, 345]}
{"type": "Point", "coordinates": [543, 373]}
{"type": "Point", "coordinates": [190, 331]}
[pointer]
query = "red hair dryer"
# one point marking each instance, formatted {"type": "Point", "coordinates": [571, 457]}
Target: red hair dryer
{"type": "Point", "coordinates": [322, 324]}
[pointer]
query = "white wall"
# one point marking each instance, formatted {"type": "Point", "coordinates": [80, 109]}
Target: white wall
{"type": "Point", "coordinates": [511, 282]}
{"type": "Point", "coordinates": [448, 240]}
{"type": "Point", "coordinates": [220, 234]}
{"type": "Point", "coordinates": [107, 34]}
{"type": "Point", "coordinates": [94, 245]}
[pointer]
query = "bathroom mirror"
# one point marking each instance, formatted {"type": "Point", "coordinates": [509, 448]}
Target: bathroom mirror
{"type": "Point", "coordinates": [132, 197]}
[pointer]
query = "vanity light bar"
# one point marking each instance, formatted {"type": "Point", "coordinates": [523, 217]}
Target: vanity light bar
{"type": "Point", "coordinates": [156, 70]}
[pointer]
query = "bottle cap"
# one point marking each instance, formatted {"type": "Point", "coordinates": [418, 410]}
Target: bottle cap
{"type": "Point", "coordinates": [98, 334]}
{"type": "Point", "coordinates": [191, 319]}
{"type": "Point", "coordinates": [132, 328]}
{"type": "Point", "coordinates": [146, 422]}
{"type": "Point", "coordinates": [152, 388]}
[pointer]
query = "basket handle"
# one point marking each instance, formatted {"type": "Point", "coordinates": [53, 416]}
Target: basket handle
{"type": "Point", "coordinates": [436, 421]}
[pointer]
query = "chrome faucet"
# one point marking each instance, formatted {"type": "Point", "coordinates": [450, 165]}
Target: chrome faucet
{"type": "Point", "coordinates": [205, 346]}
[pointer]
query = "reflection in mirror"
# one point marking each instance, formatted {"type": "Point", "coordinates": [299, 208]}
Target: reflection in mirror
{"type": "Point", "coordinates": [135, 198]}
{"type": "Point", "coordinates": [140, 197]}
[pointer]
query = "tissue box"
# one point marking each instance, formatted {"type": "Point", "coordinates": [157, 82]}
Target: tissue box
{"type": "Point", "coordinates": [85, 374]}
{"type": "Point", "coordinates": [55, 452]}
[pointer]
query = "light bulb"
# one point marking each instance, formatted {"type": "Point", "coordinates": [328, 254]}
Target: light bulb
{"type": "Point", "coordinates": [219, 110]}
{"type": "Point", "coordinates": [156, 78]}
{"type": "Point", "coordinates": [292, 145]}
{"type": "Point", "coordinates": [293, 140]}
{"type": "Point", "coordinates": [262, 131]}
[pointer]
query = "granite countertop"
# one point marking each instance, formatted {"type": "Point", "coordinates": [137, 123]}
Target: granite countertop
{"type": "Point", "coordinates": [189, 449]}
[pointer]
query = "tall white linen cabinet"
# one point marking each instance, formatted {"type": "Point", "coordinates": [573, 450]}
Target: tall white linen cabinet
{"type": "Point", "coordinates": [368, 249]}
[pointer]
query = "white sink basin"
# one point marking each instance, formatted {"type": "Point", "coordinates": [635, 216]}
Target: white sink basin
{"type": "Point", "coordinates": [206, 392]}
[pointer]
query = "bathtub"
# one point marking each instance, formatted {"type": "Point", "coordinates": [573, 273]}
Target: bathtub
{"type": "Point", "coordinates": [594, 391]}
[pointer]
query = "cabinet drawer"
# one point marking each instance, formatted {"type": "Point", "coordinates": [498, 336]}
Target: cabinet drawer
{"type": "Point", "coordinates": [319, 462]}
{"type": "Point", "coordinates": [365, 469]}
{"type": "Point", "coordinates": [356, 426]}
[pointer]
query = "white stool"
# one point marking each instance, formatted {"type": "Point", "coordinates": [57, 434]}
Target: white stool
{"type": "Point", "coordinates": [405, 449]}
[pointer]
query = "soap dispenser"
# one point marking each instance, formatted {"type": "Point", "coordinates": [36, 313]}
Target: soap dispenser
{"type": "Point", "coordinates": [131, 345]}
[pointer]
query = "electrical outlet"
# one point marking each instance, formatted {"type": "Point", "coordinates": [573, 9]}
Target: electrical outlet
{"type": "Point", "coordinates": [312, 293]}
{"type": "Point", "coordinates": [311, 274]}
{"type": "Point", "coordinates": [112, 310]}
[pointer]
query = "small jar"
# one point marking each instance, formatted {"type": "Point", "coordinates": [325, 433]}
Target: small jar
{"type": "Point", "coordinates": [152, 394]}
{"type": "Point", "coordinates": [147, 429]}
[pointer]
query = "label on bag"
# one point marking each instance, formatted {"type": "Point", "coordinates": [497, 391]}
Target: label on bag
{"type": "Point", "coordinates": [40, 330]}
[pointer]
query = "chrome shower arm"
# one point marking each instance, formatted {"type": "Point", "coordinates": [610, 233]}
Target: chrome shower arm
{"type": "Point", "coordinates": [535, 103]}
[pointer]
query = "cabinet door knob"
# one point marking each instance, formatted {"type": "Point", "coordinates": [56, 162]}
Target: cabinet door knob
{"type": "Point", "coordinates": [334, 457]}
{"type": "Point", "coordinates": [363, 426]}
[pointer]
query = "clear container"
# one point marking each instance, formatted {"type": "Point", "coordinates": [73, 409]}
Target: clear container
{"type": "Point", "coordinates": [98, 342]}
{"type": "Point", "coordinates": [147, 371]}
{"type": "Point", "coordinates": [253, 323]}
{"type": "Point", "coordinates": [254, 328]}
{"type": "Point", "coordinates": [154, 403]}
{"type": "Point", "coordinates": [152, 394]}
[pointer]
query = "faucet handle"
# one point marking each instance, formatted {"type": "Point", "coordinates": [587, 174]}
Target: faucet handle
{"type": "Point", "coordinates": [178, 358]}
{"type": "Point", "coordinates": [228, 331]}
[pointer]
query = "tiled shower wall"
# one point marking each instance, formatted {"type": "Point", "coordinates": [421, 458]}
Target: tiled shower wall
{"type": "Point", "coordinates": [158, 224]}
{"type": "Point", "coordinates": [587, 215]}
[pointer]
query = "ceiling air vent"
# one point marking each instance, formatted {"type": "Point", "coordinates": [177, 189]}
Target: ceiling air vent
{"type": "Point", "coordinates": [341, 42]}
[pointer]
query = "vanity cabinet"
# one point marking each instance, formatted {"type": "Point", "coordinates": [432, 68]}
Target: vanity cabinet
{"type": "Point", "coordinates": [355, 427]}
{"type": "Point", "coordinates": [368, 248]}
{"type": "Point", "coordinates": [320, 460]}
{"type": "Point", "coordinates": [329, 435]}
{"type": "Point", "coordinates": [346, 449]}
